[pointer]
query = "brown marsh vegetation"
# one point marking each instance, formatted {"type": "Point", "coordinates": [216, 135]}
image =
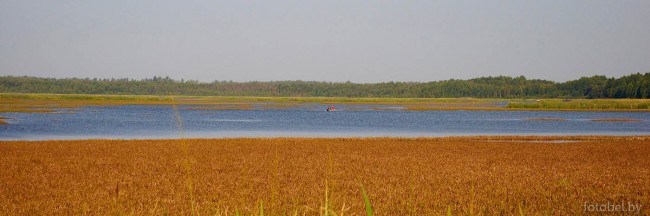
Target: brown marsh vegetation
{"type": "Point", "coordinates": [48, 102]}
{"type": "Point", "coordinates": [414, 176]}
{"type": "Point", "coordinates": [2, 120]}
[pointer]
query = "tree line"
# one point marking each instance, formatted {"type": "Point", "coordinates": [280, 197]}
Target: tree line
{"type": "Point", "coordinates": [630, 86]}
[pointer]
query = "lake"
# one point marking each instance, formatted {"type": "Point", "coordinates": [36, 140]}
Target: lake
{"type": "Point", "coordinates": [307, 120]}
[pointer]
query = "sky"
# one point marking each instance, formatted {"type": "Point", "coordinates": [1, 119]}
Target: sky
{"type": "Point", "coordinates": [346, 40]}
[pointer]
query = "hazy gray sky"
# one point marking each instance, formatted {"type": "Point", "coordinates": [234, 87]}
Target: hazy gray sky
{"type": "Point", "coordinates": [359, 41]}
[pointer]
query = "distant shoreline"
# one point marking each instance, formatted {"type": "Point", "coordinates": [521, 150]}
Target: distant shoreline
{"type": "Point", "coordinates": [19, 102]}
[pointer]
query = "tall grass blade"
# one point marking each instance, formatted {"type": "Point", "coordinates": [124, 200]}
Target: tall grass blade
{"type": "Point", "coordinates": [326, 200]}
{"type": "Point", "coordinates": [448, 210]}
{"type": "Point", "coordinates": [471, 202]}
{"type": "Point", "coordinates": [367, 201]}
{"type": "Point", "coordinates": [186, 151]}
{"type": "Point", "coordinates": [521, 211]}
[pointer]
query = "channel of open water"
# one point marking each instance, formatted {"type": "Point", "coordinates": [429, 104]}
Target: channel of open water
{"type": "Point", "coordinates": [159, 122]}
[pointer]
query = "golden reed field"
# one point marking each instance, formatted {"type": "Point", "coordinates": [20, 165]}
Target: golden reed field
{"type": "Point", "coordinates": [309, 176]}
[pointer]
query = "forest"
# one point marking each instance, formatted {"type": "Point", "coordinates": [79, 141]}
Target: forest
{"type": "Point", "coordinates": [631, 86]}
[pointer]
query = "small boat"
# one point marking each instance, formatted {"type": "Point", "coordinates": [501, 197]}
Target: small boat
{"type": "Point", "coordinates": [330, 108]}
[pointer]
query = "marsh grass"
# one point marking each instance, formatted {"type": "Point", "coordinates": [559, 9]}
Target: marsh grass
{"type": "Point", "coordinates": [459, 175]}
{"type": "Point", "coordinates": [13, 102]}
{"type": "Point", "coordinates": [584, 104]}
{"type": "Point", "coordinates": [43, 96]}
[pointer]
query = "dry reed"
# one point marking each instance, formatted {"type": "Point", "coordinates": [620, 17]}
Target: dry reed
{"type": "Point", "coordinates": [417, 176]}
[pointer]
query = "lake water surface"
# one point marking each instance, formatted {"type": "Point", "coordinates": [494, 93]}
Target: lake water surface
{"type": "Point", "coordinates": [157, 121]}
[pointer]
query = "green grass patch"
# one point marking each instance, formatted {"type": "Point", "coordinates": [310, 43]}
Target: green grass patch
{"type": "Point", "coordinates": [43, 96]}
{"type": "Point", "coordinates": [366, 200]}
{"type": "Point", "coordinates": [582, 104]}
